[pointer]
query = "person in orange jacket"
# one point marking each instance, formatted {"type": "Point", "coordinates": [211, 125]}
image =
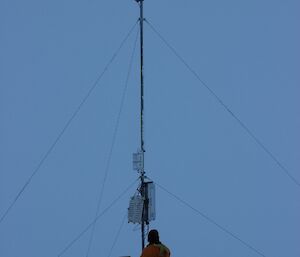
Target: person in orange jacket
{"type": "Point", "coordinates": [155, 248]}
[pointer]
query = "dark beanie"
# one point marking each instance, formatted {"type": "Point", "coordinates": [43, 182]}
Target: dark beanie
{"type": "Point", "coordinates": [153, 237]}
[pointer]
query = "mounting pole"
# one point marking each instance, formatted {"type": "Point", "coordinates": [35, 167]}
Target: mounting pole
{"type": "Point", "coordinates": [142, 70]}
{"type": "Point", "coordinates": [142, 175]}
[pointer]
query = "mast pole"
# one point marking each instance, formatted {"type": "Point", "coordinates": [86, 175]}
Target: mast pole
{"type": "Point", "coordinates": [142, 176]}
{"type": "Point", "coordinates": [142, 70]}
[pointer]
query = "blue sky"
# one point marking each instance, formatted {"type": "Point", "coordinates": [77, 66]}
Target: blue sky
{"type": "Point", "coordinates": [51, 53]}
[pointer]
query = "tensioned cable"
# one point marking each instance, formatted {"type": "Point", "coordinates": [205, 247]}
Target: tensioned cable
{"type": "Point", "coordinates": [210, 220]}
{"type": "Point", "coordinates": [52, 146]}
{"type": "Point", "coordinates": [239, 121]}
{"type": "Point", "coordinates": [117, 236]}
{"type": "Point", "coordinates": [112, 144]}
{"type": "Point", "coordinates": [68, 246]}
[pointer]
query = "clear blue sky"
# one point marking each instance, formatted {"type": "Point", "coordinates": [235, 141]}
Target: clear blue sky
{"type": "Point", "coordinates": [51, 52]}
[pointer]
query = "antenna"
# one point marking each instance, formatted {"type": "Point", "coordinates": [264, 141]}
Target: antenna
{"type": "Point", "coordinates": [142, 173]}
{"type": "Point", "coordinates": [142, 205]}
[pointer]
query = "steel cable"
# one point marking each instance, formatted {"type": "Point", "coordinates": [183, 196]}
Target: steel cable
{"type": "Point", "coordinates": [112, 144]}
{"type": "Point", "coordinates": [212, 221]}
{"type": "Point", "coordinates": [117, 236]}
{"type": "Point", "coordinates": [221, 102]}
{"type": "Point", "coordinates": [65, 127]}
{"type": "Point", "coordinates": [76, 238]}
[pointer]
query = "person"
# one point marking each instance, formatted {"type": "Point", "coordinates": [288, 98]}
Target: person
{"type": "Point", "coordinates": [155, 248]}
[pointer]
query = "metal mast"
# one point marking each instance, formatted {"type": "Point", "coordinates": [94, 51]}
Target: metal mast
{"type": "Point", "coordinates": [142, 69]}
{"type": "Point", "coordinates": [142, 174]}
{"type": "Point", "coordinates": [142, 205]}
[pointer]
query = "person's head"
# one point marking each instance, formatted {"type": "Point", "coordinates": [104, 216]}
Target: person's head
{"type": "Point", "coordinates": [153, 237]}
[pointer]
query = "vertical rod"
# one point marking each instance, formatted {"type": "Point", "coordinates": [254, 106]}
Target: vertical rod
{"type": "Point", "coordinates": [142, 74]}
{"type": "Point", "coordinates": [142, 117]}
{"type": "Point", "coordinates": [143, 222]}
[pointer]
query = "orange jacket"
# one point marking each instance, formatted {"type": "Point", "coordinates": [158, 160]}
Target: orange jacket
{"type": "Point", "coordinates": [156, 250]}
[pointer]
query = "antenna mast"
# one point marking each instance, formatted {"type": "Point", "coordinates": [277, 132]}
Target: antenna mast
{"type": "Point", "coordinates": [142, 205]}
{"type": "Point", "coordinates": [142, 172]}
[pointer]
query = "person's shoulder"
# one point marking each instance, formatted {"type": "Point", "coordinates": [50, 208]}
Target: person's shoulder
{"type": "Point", "coordinates": [163, 250]}
{"type": "Point", "coordinates": [149, 250]}
{"type": "Point", "coordinates": [167, 251]}
{"type": "Point", "coordinates": [165, 246]}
